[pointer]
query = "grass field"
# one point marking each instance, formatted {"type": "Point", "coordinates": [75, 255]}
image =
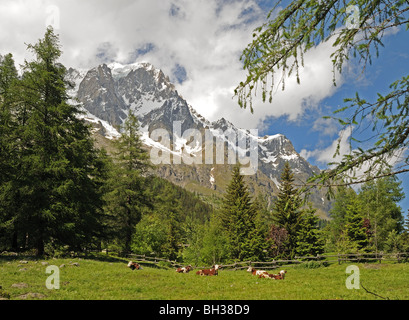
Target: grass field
{"type": "Point", "coordinates": [95, 279]}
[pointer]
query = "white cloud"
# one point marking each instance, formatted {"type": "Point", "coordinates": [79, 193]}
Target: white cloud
{"type": "Point", "coordinates": [204, 37]}
{"type": "Point", "coordinates": [322, 157]}
{"type": "Point", "coordinates": [327, 155]}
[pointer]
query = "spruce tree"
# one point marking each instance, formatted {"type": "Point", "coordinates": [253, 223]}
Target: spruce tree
{"type": "Point", "coordinates": [309, 240]}
{"type": "Point", "coordinates": [287, 208]}
{"type": "Point", "coordinates": [238, 218]}
{"type": "Point", "coordinates": [380, 200]}
{"type": "Point", "coordinates": [8, 80]}
{"type": "Point", "coordinates": [354, 225]}
{"type": "Point", "coordinates": [59, 167]}
{"type": "Point", "coordinates": [127, 194]}
{"type": "Point", "coordinates": [8, 157]}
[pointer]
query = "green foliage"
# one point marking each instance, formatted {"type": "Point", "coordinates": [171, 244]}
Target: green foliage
{"type": "Point", "coordinates": [53, 183]}
{"type": "Point", "coordinates": [8, 152]}
{"type": "Point", "coordinates": [127, 194]}
{"type": "Point", "coordinates": [365, 219]}
{"type": "Point", "coordinates": [238, 218]}
{"type": "Point", "coordinates": [309, 238]}
{"type": "Point", "coordinates": [174, 219]}
{"type": "Point", "coordinates": [287, 209]}
{"type": "Point", "coordinates": [279, 45]}
{"type": "Point", "coordinates": [380, 200]}
{"type": "Point", "coordinates": [354, 225]}
{"type": "Point", "coordinates": [207, 245]}
{"type": "Point", "coordinates": [149, 237]}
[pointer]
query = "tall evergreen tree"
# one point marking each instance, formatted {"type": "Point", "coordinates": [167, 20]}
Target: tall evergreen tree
{"type": "Point", "coordinates": [380, 200]}
{"type": "Point", "coordinates": [406, 224]}
{"type": "Point", "coordinates": [354, 225]}
{"type": "Point", "coordinates": [287, 208]}
{"type": "Point", "coordinates": [8, 157]}
{"type": "Point", "coordinates": [238, 217]}
{"type": "Point", "coordinates": [127, 195]}
{"type": "Point", "coordinates": [59, 166]}
{"type": "Point", "coordinates": [309, 239]}
{"type": "Point", "coordinates": [335, 229]}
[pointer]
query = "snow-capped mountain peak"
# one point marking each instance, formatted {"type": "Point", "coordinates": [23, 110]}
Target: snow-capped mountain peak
{"type": "Point", "coordinates": [109, 92]}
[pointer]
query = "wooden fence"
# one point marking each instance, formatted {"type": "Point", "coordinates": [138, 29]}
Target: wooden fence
{"type": "Point", "coordinates": [273, 264]}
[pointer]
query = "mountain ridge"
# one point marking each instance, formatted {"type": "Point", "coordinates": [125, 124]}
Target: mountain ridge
{"type": "Point", "coordinates": [108, 92]}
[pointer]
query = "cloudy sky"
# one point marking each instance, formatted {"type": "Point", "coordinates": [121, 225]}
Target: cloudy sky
{"type": "Point", "coordinates": [198, 44]}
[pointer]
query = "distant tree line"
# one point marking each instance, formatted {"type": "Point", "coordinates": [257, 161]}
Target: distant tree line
{"type": "Point", "coordinates": [60, 193]}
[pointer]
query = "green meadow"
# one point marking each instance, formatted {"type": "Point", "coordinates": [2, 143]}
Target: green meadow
{"type": "Point", "coordinates": [111, 279]}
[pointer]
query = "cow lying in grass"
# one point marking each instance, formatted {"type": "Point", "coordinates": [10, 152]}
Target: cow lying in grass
{"type": "Point", "coordinates": [255, 272]}
{"type": "Point", "coordinates": [134, 265]}
{"type": "Point", "coordinates": [279, 276]}
{"type": "Point", "coordinates": [209, 272]}
{"type": "Point", "coordinates": [184, 269]}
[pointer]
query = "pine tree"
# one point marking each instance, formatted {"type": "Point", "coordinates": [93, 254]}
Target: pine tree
{"type": "Point", "coordinates": [127, 195]}
{"type": "Point", "coordinates": [406, 224]}
{"type": "Point", "coordinates": [287, 208]}
{"type": "Point", "coordinates": [309, 240]}
{"type": "Point", "coordinates": [172, 212]}
{"type": "Point", "coordinates": [380, 200]}
{"type": "Point", "coordinates": [8, 80]}
{"type": "Point", "coordinates": [238, 217]}
{"type": "Point", "coordinates": [354, 225]}
{"type": "Point", "coordinates": [59, 167]}
{"type": "Point", "coordinates": [8, 157]}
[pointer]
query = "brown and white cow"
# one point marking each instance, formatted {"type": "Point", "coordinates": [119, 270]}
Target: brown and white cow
{"type": "Point", "coordinates": [184, 269]}
{"type": "Point", "coordinates": [255, 272]}
{"type": "Point", "coordinates": [134, 265]}
{"type": "Point", "coordinates": [279, 276]}
{"type": "Point", "coordinates": [209, 272]}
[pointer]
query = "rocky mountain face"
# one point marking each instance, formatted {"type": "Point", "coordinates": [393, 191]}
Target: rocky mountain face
{"type": "Point", "coordinates": [187, 149]}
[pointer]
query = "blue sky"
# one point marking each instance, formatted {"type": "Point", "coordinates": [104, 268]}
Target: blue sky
{"type": "Point", "coordinates": [392, 64]}
{"type": "Point", "coordinates": [198, 45]}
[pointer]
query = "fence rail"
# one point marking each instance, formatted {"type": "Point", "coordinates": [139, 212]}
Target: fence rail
{"type": "Point", "coordinates": [273, 264]}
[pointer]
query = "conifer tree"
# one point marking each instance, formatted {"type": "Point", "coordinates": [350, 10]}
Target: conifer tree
{"type": "Point", "coordinates": [380, 200]}
{"type": "Point", "coordinates": [354, 225]}
{"type": "Point", "coordinates": [309, 240]}
{"type": "Point", "coordinates": [172, 213]}
{"type": "Point", "coordinates": [59, 167]}
{"type": "Point", "coordinates": [287, 208]}
{"type": "Point", "coordinates": [8, 157]}
{"type": "Point", "coordinates": [127, 195]}
{"type": "Point", "coordinates": [238, 218]}
{"type": "Point", "coordinates": [8, 80]}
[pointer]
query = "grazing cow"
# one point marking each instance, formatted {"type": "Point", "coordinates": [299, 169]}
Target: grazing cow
{"type": "Point", "coordinates": [279, 276]}
{"type": "Point", "coordinates": [255, 272]}
{"type": "Point", "coordinates": [134, 265]}
{"type": "Point", "coordinates": [184, 269]}
{"type": "Point", "coordinates": [209, 272]}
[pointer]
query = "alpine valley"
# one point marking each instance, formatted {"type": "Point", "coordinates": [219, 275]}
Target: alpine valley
{"type": "Point", "coordinates": [107, 93]}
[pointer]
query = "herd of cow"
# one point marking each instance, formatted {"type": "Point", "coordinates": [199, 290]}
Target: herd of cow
{"type": "Point", "coordinates": [214, 271]}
